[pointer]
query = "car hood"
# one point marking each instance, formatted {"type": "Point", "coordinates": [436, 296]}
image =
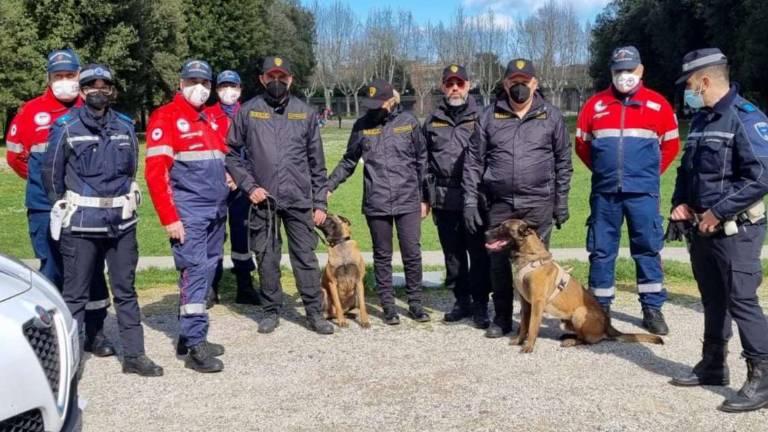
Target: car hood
{"type": "Point", "coordinates": [15, 277]}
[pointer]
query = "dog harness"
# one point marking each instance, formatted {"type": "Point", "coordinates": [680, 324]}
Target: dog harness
{"type": "Point", "coordinates": [562, 279]}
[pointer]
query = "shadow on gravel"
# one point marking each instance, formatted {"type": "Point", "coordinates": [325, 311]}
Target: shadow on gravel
{"type": "Point", "coordinates": [678, 299]}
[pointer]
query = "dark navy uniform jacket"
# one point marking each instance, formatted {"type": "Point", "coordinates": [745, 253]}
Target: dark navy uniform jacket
{"type": "Point", "coordinates": [93, 157]}
{"type": "Point", "coordinates": [725, 161]}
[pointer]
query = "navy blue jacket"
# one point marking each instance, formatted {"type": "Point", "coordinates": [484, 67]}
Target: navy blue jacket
{"type": "Point", "coordinates": [725, 161]}
{"type": "Point", "coordinates": [93, 157]}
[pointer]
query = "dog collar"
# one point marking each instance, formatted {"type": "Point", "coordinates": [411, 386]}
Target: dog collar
{"type": "Point", "coordinates": [336, 243]}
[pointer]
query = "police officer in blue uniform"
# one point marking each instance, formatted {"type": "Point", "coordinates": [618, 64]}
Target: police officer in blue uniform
{"type": "Point", "coordinates": [89, 174]}
{"type": "Point", "coordinates": [720, 185]}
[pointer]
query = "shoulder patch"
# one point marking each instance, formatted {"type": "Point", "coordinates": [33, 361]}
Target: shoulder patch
{"type": "Point", "coordinates": [600, 106]}
{"type": "Point", "coordinates": [762, 130]}
{"type": "Point", "coordinates": [261, 115]}
{"type": "Point", "coordinates": [297, 116]}
{"type": "Point", "coordinates": [502, 115]}
{"type": "Point", "coordinates": [156, 134]}
{"type": "Point", "coordinates": [747, 107]}
{"type": "Point", "coordinates": [371, 132]}
{"type": "Point", "coordinates": [542, 116]}
{"type": "Point", "coordinates": [63, 119]}
{"type": "Point", "coordinates": [439, 124]}
{"type": "Point", "coordinates": [403, 129]}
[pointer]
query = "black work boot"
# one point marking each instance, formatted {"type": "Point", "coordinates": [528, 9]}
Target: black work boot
{"type": "Point", "coordinates": [319, 325]}
{"type": "Point", "coordinates": [141, 365]}
{"type": "Point", "coordinates": [201, 359]}
{"type": "Point", "coordinates": [216, 349]}
{"type": "Point", "coordinates": [99, 345]}
{"type": "Point", "coordinates": [498, 330]}
{"type": "Point", "coordinates": [390, 315]}
{"type": "Point", "coordinates": [753, 395]}
{"type": "Point", "coordinates": [653, 321]}
{"type": "Point", "coordinates": [417, 313]}
{"type": "Point", "coordinates": [246, 294]}
{"type": "Point", "coordinates": [711, 370]}
{"type": "Point", "coordinates": [480, 315]}
{"type": "Point", "coordinates": [461, 309]}
{"type": "Point", "coordinates": [269, 323]}
{"type": "Point", "coordinates": [212, 298]}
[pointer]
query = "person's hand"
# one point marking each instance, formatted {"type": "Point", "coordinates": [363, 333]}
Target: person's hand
{"type": "Point", "coordinates": [561, 218]}
{"type": "Point", "coordinates": [681, 213]}
{"type": "Point", "coordinates": [424, 210]}
{"type": "Point", "coordinates": [319, 217]}
{"type": "Point", "coordinates": [472, 219]}
{"type": "Point", "coordinates": [175, 231]}
{"type": "Point", "coordinates": [708, 222]}
{"type": "Point", "coordinates": [230, 182]}
{"type": "Point", "coordinates": [328, 195]}
{"type": "Point", "coordinates": [258, 195]}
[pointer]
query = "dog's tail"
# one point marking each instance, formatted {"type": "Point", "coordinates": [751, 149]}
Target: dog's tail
{"type": "Point", "coordinates": [616, 335]}
{"type": "Point", "coordinates": [347, 276]}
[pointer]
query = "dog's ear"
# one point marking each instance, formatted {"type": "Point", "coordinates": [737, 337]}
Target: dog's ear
{"type": "Point", "coordinates": [345, 220]}
{"type": "Point", "coordinates": [522, 229]}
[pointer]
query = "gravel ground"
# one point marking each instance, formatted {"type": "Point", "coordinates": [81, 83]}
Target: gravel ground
{"type": "Point", "coordinates": [412, 377]}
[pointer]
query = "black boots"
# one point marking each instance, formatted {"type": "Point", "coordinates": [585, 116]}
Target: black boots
{"type": "Point", "coordinates": [201, 358]}
{"type": "Point", "coordinates": [417, 313]}
{"type": "Point", "coordinates": [246, 294]}
{"type": "Point", "coordinates": [461, 309]}
{"type": "Point", "coordinates": [141, 365]}
{"type": "Point", "coordinates": [318, 324]}
{"type": "Point", "coordinates": [498, 330]}
{"type": "Point", "coordinates": [99, 345]}
{"type": "Point", "coordinates": [753, 395]}
{"type": "Point", "coordinates": [711, 370]}
{"type": "Point", "coordinates": [215, 349]}
{"type": "Point", "coordinates": [480, 315]}
{"type": "Point", "coordinates": [269, 323]}
{"type": "Point", "coordinates": [390, 315]}
{"type": "Point", "coordinates": [653, 321]}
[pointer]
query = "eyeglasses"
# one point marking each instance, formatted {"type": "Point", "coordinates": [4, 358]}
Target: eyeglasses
{"type": "Point", "coordinates": [91, 90]}
{"type": "Point", "coordinates": [452, 84]}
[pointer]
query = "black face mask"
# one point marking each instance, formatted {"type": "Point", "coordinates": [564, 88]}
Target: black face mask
{"type": "Point", "coordinates": [97, 100]}
{"type": "Point", "coordinates": [378, 115]}
{"type": "Point", "coordinates": [519, 93]}
{"type": "Point", "coordinates": [276, 91]}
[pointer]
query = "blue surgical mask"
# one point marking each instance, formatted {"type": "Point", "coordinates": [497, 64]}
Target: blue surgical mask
{"type": "Point", "coordinates": [694, 99]}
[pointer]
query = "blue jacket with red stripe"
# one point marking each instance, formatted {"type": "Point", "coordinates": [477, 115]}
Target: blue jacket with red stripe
{"type": "Point", "coordinates": [627, 141]}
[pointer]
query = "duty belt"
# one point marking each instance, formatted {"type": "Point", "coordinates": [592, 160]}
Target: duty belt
{"type": "Point", "coordinates": [96, 202]}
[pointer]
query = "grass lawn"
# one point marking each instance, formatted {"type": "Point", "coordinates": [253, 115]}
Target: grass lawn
{"type": "Point", "coordinates": [14, 238]}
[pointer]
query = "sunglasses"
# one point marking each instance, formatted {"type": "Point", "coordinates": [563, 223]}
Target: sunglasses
{"type": "Point", "coordinates": [451, 84]}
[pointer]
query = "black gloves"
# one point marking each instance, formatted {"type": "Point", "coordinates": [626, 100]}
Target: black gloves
{"type": "Point", "coordinates": [561, 217]}
{"type": "Point", "coordinates": [472, 219]}
{"type": "Point", "coordinates": [677, 230]}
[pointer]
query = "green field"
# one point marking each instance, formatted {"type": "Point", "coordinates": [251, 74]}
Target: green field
{"type": "Point", "coordinates": [346, 200]}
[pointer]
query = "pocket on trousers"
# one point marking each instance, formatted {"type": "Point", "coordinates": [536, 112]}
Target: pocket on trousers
{"type": "Point", "coordinates": [658, 233]}
{"type": "Point", "coordinates": [745, 279]}
{"type": "Point", "coordinates": [590, 234]}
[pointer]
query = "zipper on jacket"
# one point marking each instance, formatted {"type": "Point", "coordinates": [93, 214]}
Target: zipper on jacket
{"type": "Point", "coordinates": [620, 166]}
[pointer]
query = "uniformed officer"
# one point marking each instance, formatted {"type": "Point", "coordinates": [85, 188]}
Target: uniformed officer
{"type": "Point", "coordinates": [221, 114]}
{"type": "Point", "coordinates": [521, 161]}
{"type": "Point", "coordinates": [391, 143]}
{"type": "Point", "coordinates": [448, 131]}
{"type": "Point", "coordinates": [89, 173]}
{"type": "Point", "coordinates": [26, 142]}
{"type": "Point", "coordinates": [627, 136]}
{"type": "Point", "coordinates": [721, 182]}
{"type": "Point", "coordinates": [188, 184]}
{"type": "Point", "coordinates": [276, 155]}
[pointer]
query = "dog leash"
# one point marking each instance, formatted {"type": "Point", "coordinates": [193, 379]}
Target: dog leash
{"type": "Point", "coordinates": [272, 227]}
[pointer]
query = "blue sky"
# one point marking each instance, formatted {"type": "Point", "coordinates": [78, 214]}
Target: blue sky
{"type": "Point", "coordinates": [436, 10]}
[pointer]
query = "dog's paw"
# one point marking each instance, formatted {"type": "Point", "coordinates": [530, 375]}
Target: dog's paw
{"type": "Point", "coordinates": [527, 349]}
{"type": "Point", "coordinates": [365, 324]}
{"type": "Point", "coordinates": [343, 323]}
{"type": "Point", "coordinates": [517, 340]}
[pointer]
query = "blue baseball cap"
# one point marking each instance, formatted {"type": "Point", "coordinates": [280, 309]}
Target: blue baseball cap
{"type": "Point", "coordinates": [62, 60]}
{"type": "Point", "coordinates": [625, 58]}
{"type": "Point", "coordinates": [196, 69]}
{"type": "Point", "coordinates": [228, 76]}
{"type": "Point", "coordinates": [700, 59]}
{"type": "Point", "coordinates": [94, 72]}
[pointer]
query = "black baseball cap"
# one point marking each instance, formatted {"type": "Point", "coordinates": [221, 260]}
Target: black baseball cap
{"type": "Point", "coordinates": [196, 69]}
{"type": "Point", "coordinates": [276, 63]}
{"type": "Point", "coordinates": [378, 91]}
{"type": "Point", "coordinates": [455, 71]}
{"type": "Point", "coordinates": [700, 59]}
{"type": "Point", "coordinates": [94, 72]}
{"type": "Point", "coordinates": [520, 66]}
{"type": "Point", "coordinates": [625, 58]}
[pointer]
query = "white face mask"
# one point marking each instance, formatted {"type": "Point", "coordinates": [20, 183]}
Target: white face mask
{"type": "Point", "coordinates": [65, 90]}
{"type": "Point", "coordinates": [229, 95]}
{"type": "Point", "coordinates": [625, 82]}
{"type": "Point", "coordinates": [196, 94]}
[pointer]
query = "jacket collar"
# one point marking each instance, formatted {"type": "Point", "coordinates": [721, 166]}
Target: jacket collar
{"type": "Point", "coordinates": [469, 113]}
{"type": "Point", "coordinates": [186, 109]}
{"type": "Point", "coordinates": [610, 95]}
{"type": "Point", "coordinates": [94, 123]}
{"type": "Point", "coordinates": [537, 106]}
{"type": "Point", "coordinates": [55, 105]}
{"type": "Point", "coordinates": [726, 101]}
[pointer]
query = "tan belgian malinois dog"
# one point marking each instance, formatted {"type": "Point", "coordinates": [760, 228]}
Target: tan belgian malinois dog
{"type": "Point", "coordinates": [342, 278]}
{"type": "Point", "coordinates": [544, 286]}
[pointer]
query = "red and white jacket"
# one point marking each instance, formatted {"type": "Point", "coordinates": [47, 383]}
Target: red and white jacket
{"type": "Point", "coordinates": [627, 143]}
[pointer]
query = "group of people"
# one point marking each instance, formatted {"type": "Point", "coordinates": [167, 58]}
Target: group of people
{"type": "Point", "coordinates": [262, 164]}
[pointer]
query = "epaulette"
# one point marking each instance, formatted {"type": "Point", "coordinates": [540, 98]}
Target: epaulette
{"type": "Point", "coordinates": [747, 107]}
{"type": "Point", "coordinates": [61, 121]}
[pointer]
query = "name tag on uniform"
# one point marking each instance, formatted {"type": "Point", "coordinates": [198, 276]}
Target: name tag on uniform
{"type": "Point", "coordinates": [371, 132]}
{"type": "Point", "coordinates": [297, 116]}
{"type": "Point", "coordinates": [439, 124]}
{"type": "Point", "coordinates": [403, 129]}
{"type": "Point", "coordinates": [542, 116]}
{"type": "Point", "coordinates": [502, 116]}
{"type": "Point", "coordinates": [653, 105]}
{"type": "Point", "coordinates": [261, 115]}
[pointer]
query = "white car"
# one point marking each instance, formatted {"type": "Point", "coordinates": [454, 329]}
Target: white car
{"type": "Point", "coordinates": [39, 353]}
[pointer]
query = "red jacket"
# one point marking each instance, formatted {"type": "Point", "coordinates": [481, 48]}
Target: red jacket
{"type": "Point", "coordinates": [219, 119]}
{"type": "Point", "coordinates": [185, 170]}
{"type": "Point", "coordinates": [27, 140]}
{"type": "Point", "coordinates": [627, 143]}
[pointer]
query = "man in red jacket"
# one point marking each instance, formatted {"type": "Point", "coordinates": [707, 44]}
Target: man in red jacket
{"type": "Point", "coordinates": [627, 135]}
{"type": "Point", "coordinates": [228, 88]}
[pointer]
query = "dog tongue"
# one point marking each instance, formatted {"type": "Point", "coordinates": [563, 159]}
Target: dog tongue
{"type": "Point", "coordinates": [498, 244]}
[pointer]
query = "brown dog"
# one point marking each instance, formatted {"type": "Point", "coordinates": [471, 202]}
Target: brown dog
{"type": "Point", "coordinates": [342, 279]}
{"type": "Point", "coordinates": [544, 286]}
